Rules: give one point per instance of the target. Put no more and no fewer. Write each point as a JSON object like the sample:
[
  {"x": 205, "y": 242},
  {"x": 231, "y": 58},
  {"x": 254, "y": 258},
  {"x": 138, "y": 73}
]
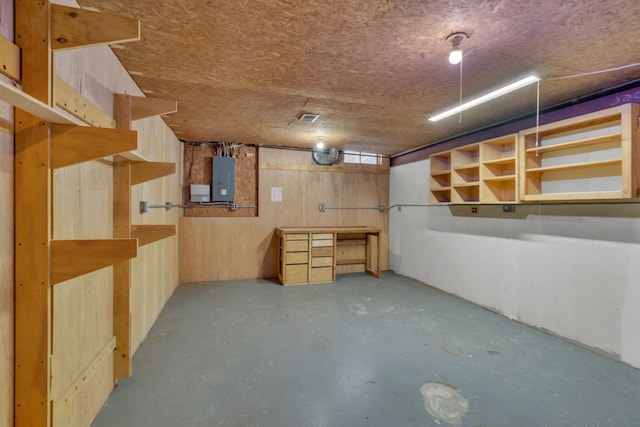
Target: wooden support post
[
  {"x": 33, "y": 294},
  {"x": 72, "y": 27},
  {"x": 122, "y": 270}
]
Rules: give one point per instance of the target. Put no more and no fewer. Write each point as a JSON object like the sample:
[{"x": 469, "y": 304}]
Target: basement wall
[
  {"x": 82, "y": 308},
  {"x": 213, "y": 249},
  {"x": 569, "y": 270}
]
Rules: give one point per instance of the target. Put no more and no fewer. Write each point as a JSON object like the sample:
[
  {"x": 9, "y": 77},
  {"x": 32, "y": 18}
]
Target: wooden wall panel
[
  {"x": 154, "y": 273},
  {"x": 242, "y": 248},
  {"x": 6, "y": 239}
]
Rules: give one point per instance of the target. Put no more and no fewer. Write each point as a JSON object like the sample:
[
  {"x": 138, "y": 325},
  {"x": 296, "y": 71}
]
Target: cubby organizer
[
  {"x": 589, "y": 157},
  {"x": 483, "y": 172},
  {"x": 593, "y": 156}
]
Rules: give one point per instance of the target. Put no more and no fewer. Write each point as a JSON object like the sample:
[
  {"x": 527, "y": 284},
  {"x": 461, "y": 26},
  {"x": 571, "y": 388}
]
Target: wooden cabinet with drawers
[{"x": 309, "y": 255}]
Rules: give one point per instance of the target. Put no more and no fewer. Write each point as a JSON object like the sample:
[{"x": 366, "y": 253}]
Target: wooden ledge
[{"x": 73, "y": 258}]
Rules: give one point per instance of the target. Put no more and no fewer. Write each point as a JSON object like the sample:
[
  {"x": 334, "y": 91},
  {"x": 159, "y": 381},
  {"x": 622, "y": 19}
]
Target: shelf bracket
[
  {"x": 73, "y": 258},
  {"x": 73, "y": 27},
  {"x": 147, "y": 171},
  {"x": 9, "y": 59},
  {"x": 76, "y": 144},
  {"x": 152, "y": 233}
]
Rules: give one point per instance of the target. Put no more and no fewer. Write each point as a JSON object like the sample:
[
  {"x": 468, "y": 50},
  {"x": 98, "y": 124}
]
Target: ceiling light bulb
[
  {"x": 320, "y": 144},
  {"x": 456, "y": 40},
  {"x": 455, "y": 56}
]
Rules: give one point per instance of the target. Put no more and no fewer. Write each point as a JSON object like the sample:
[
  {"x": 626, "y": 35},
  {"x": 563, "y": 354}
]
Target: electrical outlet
[
  {"x": 509, "y": 208},
  {"x": 474, "y": 209},
  {"x": 322, "y": 207}
]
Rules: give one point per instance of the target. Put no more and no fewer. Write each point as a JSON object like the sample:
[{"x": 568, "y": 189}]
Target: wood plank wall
[
  {"x": 213, "y": 249},
  {"x": 6, "y": 238},
  {"x": 83, "y": 197}
]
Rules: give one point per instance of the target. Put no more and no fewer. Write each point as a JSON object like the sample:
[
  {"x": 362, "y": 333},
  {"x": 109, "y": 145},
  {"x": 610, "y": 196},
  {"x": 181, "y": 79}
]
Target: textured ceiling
[{"x": 244, "y": 70}]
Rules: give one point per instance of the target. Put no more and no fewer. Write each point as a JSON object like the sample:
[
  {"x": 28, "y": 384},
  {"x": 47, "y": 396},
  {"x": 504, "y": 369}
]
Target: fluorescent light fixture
[{"x": 532, "y": 78}]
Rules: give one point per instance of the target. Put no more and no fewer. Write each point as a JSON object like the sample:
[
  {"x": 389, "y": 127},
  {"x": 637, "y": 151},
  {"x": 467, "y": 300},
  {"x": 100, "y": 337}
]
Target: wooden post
[{"x": 33, "y": 309}]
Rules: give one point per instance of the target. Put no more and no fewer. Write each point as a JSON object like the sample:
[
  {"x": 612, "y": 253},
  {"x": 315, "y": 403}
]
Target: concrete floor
[{"x": 359, "y": 352}]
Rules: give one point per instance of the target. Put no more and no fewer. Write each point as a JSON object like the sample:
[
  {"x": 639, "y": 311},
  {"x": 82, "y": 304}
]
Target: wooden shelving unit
[
  {"x": 47, "y": 139},
  {"x": 483, "y": 172},
  {"x": 498, "y": 179},
  {"x": 441, "y": 177},
  {"x": 465, "y": 174},
  {"x": 589, "y": 157}
]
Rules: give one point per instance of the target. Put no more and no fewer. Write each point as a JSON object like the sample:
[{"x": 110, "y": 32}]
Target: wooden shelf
[
  {"x": 71, "y": 145},
  {"x": 351, "y": 261},
  {"x": 467, "y": 184},
  {"x": 441, "y": 173},
  {"x": 147, "y": 171},
  {"x": 596, "y": 140},
  {"x": 467, "y": 166},
  {"x": 73, "y": 258},
  {"x": 150, "y": 233},
  {"x": 500, "y": 178},
  {"x": 575, "y": 166},
  {"x": 31, "y": 105},
  {"x": 589, "y": 157},
  {"x": 498, "y": 162}
]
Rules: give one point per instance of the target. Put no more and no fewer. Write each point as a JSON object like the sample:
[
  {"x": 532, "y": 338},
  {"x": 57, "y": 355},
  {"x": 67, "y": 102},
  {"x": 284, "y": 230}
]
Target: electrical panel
[{"x": 224, "y": 175}]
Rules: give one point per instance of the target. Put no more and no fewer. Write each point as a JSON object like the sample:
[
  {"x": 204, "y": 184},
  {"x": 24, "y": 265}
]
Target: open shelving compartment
[
  {"x": 441, "y": 177},
  {"x": 498, "y": 170},
  {"x": 590, "y": 157},
  {"x": 465, "y": 174}
]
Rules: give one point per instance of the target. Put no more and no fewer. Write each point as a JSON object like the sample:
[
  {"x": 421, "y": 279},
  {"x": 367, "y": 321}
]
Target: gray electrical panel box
[{"x": 224, "y": 176}]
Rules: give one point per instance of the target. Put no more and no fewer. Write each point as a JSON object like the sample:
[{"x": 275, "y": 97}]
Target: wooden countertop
[{"x": 330, "y": 229}]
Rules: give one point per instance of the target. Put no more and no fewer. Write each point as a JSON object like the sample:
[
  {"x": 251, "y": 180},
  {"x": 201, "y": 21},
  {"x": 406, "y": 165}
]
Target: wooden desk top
[{"x": 339, "y": 229}]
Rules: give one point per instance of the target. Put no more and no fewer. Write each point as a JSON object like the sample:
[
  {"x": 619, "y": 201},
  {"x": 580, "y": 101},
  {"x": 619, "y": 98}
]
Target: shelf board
[
  {"x": 152, "y": 233},
  {"x": 501, "y": 161},
  {"x": 573, "y": 196},
  {"x": 351, "y": 261},
  {"x": 73, "y": 258},
  {"x": 31, "y": 105},
  {"x": 440, "y": 173},
  {"x": 578, "y": 143},
  {"x": 574, "y": 166},
  {"x": 467, "y": 166},
  {"x": 467, "y": 184},
  {"x": 500, "y": 178},
  {"x": 441, "y": 188}
]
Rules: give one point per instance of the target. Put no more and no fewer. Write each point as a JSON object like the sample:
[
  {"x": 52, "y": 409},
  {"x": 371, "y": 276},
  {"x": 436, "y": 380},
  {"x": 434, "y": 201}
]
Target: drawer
[
  {"x": 297, "y": 258},
  {"x": 296, "y": 273},
  {"x": 297, "y": 245},
  {"x": 321, "y": 243},
  {"x": 322, "y": 274},
  {"x": 297, "y": 236},
  {"x": 322, "y": 261},
  {"x": 322, "y": 236},
  {"x": 326, "y": 251}
]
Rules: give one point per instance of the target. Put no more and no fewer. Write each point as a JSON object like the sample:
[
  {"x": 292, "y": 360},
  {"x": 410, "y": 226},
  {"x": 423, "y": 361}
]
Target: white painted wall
[{"x": 563, "y": 269}]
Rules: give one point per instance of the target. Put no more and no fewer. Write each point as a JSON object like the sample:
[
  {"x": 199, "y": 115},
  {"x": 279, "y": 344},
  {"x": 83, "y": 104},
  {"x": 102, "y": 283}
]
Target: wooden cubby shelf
[
  {"x": 483, "y": 172},
  {"x": 589, "y": 157}
]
